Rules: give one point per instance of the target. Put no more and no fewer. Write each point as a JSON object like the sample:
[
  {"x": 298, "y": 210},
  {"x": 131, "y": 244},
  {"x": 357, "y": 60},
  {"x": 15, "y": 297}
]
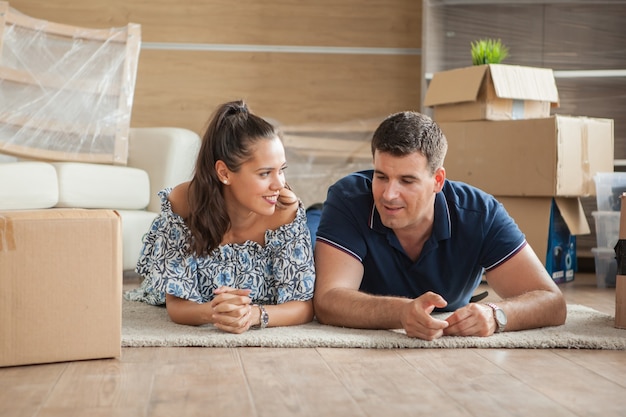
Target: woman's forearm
[
  {"x": 288, "y": 314},
  {"x": 188, "y": 312}
]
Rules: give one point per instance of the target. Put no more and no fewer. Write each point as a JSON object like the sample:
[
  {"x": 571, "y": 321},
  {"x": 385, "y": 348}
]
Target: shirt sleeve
[
  {"x": 340, "y": 224},
  {"x": 164, "y": 260},
  {"x": 503, "y": 238}
]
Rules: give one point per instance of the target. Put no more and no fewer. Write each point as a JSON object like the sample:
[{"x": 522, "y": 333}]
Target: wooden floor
[{"x": 176, "y": 382}]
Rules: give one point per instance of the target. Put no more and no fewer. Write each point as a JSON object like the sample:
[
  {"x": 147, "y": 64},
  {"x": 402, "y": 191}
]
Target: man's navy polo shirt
[{"x": 471, "y": 231}]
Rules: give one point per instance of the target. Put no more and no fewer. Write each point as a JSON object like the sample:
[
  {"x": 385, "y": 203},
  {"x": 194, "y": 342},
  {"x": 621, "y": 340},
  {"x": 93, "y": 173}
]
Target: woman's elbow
[
  {"x": 176, "y": 316},
  {"x": 308, "y": 313}
]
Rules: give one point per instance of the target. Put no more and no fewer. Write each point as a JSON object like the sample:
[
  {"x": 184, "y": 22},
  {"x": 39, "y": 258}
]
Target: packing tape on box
[
  {"x": 518, "y": 109},
  {"x": 620, "y": 256},
  {"x": 7, "y": 238}
]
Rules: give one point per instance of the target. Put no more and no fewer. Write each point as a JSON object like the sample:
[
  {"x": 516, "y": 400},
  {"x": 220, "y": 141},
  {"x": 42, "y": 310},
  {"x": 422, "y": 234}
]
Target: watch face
[
  {"x": 265, "y": 318},
  {"x": 500, "y": 317}
]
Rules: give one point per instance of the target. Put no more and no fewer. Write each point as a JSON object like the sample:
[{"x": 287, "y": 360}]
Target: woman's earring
[{"x": 225, "y": 181}]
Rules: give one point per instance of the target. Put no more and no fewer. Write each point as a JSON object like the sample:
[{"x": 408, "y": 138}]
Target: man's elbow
[
  {"x": 553, "y": 310},
  {"x": 561, "y": 310},
  {"x": 322, "y": 314}
]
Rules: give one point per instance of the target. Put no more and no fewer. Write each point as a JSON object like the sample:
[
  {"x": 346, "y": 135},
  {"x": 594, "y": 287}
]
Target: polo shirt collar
[{"x": 442, "y": 229}]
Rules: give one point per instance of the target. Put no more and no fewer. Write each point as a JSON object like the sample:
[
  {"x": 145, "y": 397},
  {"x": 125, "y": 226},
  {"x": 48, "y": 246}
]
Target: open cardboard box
[
  {"x": 492, "y": 92},
  {"x": 554, "y": 156},
  {"x": 551, "y": 226},
  {"x": 61, "y": 280}
]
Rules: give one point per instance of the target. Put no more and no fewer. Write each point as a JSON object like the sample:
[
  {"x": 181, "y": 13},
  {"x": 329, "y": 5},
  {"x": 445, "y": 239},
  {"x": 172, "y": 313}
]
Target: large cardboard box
[
  {"x": 60, "y": 285},
  {"x": 551, "y": 226},
  {"x": 492, "y": 92},
  {"x": 554, "y": 156}
]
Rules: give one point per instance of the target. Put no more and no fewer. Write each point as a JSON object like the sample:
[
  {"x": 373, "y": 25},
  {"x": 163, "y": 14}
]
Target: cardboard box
[
  {"x": 554, "y": 156},
  {"x": 551, "y": 226},
  {"x": 61, "y": 280},
  {"x": 492, "y": 92}
]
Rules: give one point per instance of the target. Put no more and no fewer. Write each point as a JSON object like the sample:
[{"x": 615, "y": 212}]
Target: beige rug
[{"x": 145, "y": 325}]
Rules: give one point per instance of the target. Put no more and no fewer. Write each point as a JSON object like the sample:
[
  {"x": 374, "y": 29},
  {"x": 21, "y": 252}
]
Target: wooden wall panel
[
  {"x": 181, "y": 77},
  {"x": 346, "y": 23},
  {"x": 182, "y": 88}
]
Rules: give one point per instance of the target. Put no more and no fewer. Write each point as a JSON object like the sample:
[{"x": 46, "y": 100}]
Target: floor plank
[
  {"x": 290, "y": 382},
  {"x": 99, "y": 387},
  {"x": 200, "y": 382},
  {"x": 610, "y": 364},
  {"x": 384, "y": 384},
  {"x": 577, "y": 388},
  {"x": 24, "y": 389},
  {"x": 484, "y": 388}
]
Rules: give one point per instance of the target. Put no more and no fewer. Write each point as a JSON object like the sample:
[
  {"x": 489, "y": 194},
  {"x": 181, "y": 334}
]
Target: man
[{"x": 399, "y": 242}]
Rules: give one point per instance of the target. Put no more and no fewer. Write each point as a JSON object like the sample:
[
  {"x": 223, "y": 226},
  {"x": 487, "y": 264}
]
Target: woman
[{"x": 231, "y": 247}]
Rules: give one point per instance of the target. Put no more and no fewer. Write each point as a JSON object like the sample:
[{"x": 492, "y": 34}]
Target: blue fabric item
[
  {"x": 281, "y": 270},
  {"x": 472, "y": 232},
  {"x": 313, "y": 215}
]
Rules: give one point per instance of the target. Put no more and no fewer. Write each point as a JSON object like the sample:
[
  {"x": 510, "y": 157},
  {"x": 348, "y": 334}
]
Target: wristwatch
[
  {"x": 264, "y": 318},
  {"x": 500, "y": 317}
]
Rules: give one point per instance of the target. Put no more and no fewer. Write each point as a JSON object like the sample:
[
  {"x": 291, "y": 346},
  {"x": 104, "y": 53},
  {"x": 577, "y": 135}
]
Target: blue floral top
[{"x": 281, "y": 270}]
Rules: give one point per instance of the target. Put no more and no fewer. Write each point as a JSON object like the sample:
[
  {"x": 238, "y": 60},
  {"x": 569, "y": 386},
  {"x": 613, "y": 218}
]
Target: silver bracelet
[{"x": 264, "y": 318}]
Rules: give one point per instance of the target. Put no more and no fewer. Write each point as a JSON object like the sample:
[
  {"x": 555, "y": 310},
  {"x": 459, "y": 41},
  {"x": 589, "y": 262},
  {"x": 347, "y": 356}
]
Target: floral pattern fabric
[{"x": 281, "y": 270}]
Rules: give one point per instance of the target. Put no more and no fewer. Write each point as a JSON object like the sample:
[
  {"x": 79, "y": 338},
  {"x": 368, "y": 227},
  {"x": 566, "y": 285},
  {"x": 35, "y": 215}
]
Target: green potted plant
[{"x": 488, "y": 51}]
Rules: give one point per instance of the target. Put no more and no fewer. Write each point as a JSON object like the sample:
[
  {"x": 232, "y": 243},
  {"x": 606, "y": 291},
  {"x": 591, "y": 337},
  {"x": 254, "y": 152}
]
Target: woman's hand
[{"x": 232, "y": 309}]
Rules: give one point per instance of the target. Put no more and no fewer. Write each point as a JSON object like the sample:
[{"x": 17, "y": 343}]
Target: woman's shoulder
[{"x": 179, "y": 199}]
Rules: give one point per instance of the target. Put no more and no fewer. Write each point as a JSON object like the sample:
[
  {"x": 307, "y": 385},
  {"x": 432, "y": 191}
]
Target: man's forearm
[
  {"x": 352, "y": 308},
  {"x": 534, "y": 309}
]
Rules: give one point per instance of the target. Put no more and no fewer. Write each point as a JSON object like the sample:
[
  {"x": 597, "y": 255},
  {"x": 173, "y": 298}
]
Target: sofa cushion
[
  {"x": 27, "y": 185},
  {"x": 88, "y": 185},
  {"x": 168, "y": 154}
]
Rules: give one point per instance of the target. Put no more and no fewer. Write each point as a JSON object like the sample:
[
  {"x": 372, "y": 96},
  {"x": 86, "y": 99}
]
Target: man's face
[{"x": 404, "y": 190}]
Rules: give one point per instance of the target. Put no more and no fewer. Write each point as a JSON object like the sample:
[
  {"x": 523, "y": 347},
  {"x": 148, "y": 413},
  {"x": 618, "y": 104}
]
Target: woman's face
[{"x": 257, "y": 184}]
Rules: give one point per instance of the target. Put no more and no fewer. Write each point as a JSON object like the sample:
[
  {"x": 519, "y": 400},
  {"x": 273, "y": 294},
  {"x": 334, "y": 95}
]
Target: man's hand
[
  {"x": 232, "y": 309},
  {"x": 471, "y": 320},
  {"x": 417, "y": 321}
]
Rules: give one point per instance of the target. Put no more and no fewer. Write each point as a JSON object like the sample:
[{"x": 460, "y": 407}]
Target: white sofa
[{"x": 158, "y": 157}]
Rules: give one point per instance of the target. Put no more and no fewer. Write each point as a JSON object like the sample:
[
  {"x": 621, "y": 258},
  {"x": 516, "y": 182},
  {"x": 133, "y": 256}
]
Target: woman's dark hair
[
  {"x": 229, "y": 137},
  {"x": 408, "y": 132}
]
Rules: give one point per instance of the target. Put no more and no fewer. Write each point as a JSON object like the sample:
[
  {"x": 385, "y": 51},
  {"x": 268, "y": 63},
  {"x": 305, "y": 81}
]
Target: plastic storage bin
[
  {"x": 606, "y": 267},
  {"x": 609, "y": 188},
  {"x": 607, "y": 228}
]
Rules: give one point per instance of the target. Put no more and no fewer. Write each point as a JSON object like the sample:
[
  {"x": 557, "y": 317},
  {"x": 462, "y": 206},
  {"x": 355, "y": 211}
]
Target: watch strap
[
  {"x": 264, "y": 318},
  {"x": 495, "y": 309}
]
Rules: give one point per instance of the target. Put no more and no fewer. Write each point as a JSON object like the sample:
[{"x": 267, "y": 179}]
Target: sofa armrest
[{"x": 167, "y": 154}]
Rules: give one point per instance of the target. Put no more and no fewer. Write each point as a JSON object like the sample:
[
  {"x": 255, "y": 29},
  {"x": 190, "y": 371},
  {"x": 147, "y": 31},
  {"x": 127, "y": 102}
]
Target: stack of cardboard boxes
[{"x": 502, "y": 139}]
